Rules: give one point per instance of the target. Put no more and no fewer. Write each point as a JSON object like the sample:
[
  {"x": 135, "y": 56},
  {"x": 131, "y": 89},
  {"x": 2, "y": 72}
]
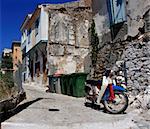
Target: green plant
[
  {"x": 7, "y": 87},
  {"x": 94, "y": 43},
  {"x": 7, "y": 62},
  {"x": 8, "y": 79}
]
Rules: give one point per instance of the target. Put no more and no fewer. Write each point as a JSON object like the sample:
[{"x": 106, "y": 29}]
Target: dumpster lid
[{"x": 74, "y": 74}]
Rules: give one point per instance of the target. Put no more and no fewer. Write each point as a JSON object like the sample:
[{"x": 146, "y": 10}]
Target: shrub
[{"x": 7, "y": 87}]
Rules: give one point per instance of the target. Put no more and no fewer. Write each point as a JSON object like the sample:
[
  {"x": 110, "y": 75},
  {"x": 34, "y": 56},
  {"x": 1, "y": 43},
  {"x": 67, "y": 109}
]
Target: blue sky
[{"x": 12, "y": 14}]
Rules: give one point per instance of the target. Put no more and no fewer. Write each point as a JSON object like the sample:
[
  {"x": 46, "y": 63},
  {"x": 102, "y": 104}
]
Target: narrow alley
[{"x": 43, "y": 110}]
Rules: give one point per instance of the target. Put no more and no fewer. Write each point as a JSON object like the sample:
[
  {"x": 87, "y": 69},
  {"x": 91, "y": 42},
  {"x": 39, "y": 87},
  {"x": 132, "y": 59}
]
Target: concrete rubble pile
[{"x": 142, "y": 100}]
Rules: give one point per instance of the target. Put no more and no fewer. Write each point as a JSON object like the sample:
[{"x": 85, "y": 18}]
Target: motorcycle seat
[{"x": 94, "y": 82}]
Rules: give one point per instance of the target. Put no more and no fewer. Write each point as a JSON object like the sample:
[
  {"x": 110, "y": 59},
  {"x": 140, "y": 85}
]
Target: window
[
  {"x": 36, "y": 26},
  {"x": 29, "y": 35},
  {"x": 16, "y": 49},
  {"x": 23, "y": 34},
  {"x": 116, "y": 10}
]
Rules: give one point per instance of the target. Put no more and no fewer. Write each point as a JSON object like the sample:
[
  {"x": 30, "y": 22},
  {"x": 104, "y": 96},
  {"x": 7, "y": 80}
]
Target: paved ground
[{"x": 44, "y": 110}]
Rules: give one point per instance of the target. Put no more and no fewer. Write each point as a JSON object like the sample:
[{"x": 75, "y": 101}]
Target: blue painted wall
[
  {"x": 116, "y": 10},
  {"x": 60, "y": 1}
]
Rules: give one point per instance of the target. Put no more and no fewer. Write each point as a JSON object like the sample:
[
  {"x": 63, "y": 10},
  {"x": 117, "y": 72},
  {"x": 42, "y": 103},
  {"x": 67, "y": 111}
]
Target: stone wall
[
  {"x": 135, "y": 12},
  {"x": 114, "y": 47},
  {"x": 137, "y": 57},
  {"x": 69, "y": 45},
  {"x": 135, "y": 54}
]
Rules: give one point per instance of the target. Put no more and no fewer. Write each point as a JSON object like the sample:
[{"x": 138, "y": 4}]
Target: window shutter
[{"x": 116, "y": 10}]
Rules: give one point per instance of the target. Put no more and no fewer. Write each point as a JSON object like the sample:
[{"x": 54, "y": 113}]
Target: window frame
[{"x": 37, "y": 22}]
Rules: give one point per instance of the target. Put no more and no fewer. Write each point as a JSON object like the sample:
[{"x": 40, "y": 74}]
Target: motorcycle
[{"x": 116, "y": 106}]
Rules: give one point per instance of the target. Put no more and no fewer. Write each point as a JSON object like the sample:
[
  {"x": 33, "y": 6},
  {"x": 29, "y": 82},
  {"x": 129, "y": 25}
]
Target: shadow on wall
[
  {"x": 6, "y": 115},
  {"x": 87, "y": 63},
  {"x": 99, "y": 6},
  {"x": 102, "y": 12},
  {"x": 118, "y": 32}
]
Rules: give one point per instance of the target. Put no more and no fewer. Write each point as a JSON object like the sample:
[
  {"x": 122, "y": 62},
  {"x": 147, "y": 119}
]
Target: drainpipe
[{"x": 125, "y": 72}]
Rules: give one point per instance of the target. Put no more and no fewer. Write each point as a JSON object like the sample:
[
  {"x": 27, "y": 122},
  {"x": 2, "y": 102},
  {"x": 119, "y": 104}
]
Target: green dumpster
[
  {"x": 54, "y": 84},
  {"x": 57, "y": 84},
  {"x": 67, "y": 84},
  {"x": 70, "y": 82},
  {"x": 51, "y": 84},
  {"x": 64, "y": 84},
  {"x": 78, "y": 84},
  {"x": 73, "y": 84}
]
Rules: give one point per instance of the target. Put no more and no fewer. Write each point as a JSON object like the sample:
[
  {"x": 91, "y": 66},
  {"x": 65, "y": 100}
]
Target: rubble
[
  {"x": 142, "y": 100},
  {"x": 11, "y": 103}
]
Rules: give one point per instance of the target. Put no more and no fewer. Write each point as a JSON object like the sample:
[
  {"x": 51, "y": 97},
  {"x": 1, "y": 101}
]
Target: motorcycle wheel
[{"x": 118, "y": 105}]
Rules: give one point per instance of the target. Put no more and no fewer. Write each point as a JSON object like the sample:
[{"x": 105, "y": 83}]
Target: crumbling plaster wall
[
  {"x": 135, "y": 12},
  {"x": 108, "y": 52},
  {"x": 69, "y": 46},
  {"x": 101, "y": 17},
  {"x": 135, "y": 53}
]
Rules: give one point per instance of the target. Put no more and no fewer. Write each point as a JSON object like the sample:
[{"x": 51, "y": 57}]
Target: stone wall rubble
[{"x": 137, "y": 57}]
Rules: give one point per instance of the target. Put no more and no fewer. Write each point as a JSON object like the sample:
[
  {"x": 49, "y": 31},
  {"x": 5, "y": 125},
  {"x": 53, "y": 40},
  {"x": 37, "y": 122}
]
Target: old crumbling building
[
  {"x": 123, "y": 28},
  {"x": 68, "y": 49},
  {"x": 33, "y": 44},
  {"x": 16, "y": 54},
  {"x": 55, "y": 39}
]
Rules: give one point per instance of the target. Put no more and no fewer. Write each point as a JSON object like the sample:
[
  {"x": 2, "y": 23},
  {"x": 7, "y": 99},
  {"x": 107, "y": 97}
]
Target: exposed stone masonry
[
  {"x": 69, "y": 46},
  {"x": 127, "y": 41},
  {"x": 137, "y": 57},
  {"x": 136, "y": 54}
]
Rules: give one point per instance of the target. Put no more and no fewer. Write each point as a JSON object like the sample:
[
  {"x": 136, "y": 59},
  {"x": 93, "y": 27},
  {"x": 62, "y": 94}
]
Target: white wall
[
  {"x": 42, "y": 30},
  {"x": 101, "y": 16},
  {"x": 23, "y": 39},
  {"x": 34, "y": 39},
  {"x": 43, "y": 26}
]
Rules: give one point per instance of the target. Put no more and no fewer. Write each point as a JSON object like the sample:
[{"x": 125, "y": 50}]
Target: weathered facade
[
  {"x": 68, "y": 49},
  {"x": 122, "y": 29},
  {"x": 33, "y": 42},
  {"x": 123, "y": 37},
  {"x": 16, "y": 54},
  {"x": 55, "y": 39}
]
